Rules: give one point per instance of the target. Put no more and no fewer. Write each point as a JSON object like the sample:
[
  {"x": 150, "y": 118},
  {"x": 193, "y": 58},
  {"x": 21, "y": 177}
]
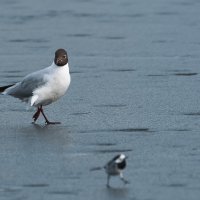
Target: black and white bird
[
  {"x": 114, "y": 168},
  {"x": 43, "y": 87}
]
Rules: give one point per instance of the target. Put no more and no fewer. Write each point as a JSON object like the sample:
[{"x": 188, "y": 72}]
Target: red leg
[
  {"x": 46, "y": 120},
  {"x": 37, "y": 114}
]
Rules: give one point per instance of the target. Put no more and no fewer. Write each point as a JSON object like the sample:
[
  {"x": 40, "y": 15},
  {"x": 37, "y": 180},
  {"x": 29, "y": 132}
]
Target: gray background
[{"x": 135, "y": 89}]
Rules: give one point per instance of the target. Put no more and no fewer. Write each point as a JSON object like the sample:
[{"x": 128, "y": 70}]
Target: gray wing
[
  {"x": 25, "y": 88},
  {"x": 111, "y": 167}
]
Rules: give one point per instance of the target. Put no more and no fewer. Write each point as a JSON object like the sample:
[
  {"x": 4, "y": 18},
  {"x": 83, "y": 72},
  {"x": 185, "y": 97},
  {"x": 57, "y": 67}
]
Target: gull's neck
[{"x": 59, "y": 67}]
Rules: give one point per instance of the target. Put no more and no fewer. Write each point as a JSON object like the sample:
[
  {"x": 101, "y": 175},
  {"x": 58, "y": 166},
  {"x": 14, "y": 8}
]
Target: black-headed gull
[
  {"x": 114, "y": 168},
  {"x": 43, "y": 87}
]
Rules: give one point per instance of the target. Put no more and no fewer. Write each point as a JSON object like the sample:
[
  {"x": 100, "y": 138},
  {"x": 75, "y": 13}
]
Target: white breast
[{"x": 58, "y": 81}]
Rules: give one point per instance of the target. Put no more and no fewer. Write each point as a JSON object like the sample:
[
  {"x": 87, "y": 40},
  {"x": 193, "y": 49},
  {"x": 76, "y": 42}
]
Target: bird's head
[
  {"x": 120, "y": 158},
  {"x": 61, "y": 57}
]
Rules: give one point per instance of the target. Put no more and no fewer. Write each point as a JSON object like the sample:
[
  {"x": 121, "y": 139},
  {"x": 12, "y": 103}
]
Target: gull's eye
[{"x": 64, "y": 56}]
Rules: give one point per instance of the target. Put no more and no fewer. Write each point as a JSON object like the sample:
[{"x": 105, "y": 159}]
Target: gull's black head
[{"x": 61, "y": 57}]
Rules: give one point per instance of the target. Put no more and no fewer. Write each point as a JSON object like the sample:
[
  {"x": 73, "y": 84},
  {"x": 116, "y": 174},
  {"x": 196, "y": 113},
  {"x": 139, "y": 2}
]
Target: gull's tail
[{"x": 2, "y": 89}]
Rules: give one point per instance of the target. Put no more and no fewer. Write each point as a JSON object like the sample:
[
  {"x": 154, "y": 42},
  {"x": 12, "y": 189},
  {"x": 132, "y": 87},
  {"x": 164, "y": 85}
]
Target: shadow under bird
[
  {"x": 43, "y": 87},
  {"x": 114, "y": 168}
]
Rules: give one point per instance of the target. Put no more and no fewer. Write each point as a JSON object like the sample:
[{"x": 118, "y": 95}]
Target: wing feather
[{"x": 26, "y": 87}]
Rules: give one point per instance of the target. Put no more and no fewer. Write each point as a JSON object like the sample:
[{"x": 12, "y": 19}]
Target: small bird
[
  {"x": 114, "y": 168},
  {"x": 43, "y": 87}
]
